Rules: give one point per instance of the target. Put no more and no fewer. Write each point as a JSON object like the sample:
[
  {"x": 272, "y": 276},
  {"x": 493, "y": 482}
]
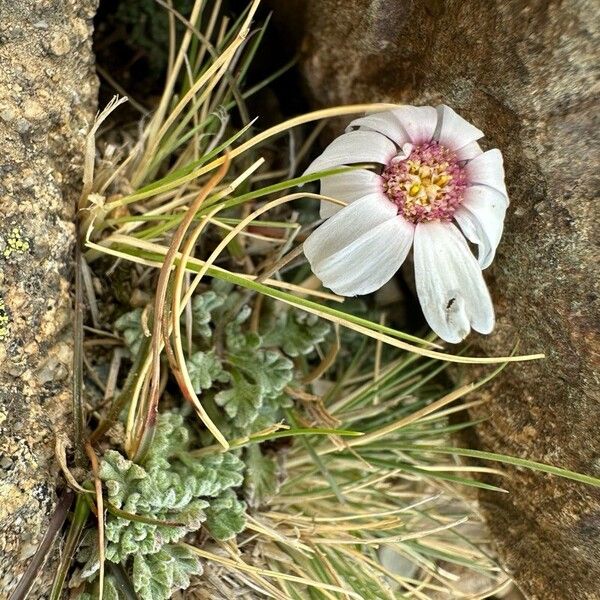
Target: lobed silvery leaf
[
  {"x": 241, "y": 402},
  {"x": 157, "y": 576},
  {"x": 130, "y": 325},
  {"x": 120, "y": 476},
  {"x": 151, "y": 576},
  {"x": 205, "y": 369},
  {"x": 239, "y": 341},
  {"x": 215, "y": 473},
  {"x": 226, "y": 516},
  {"x": 170, "y": 437},
  {"x": 261, "y": 482},
  {"x": 111, "y": 591},
  {"x": 268, "y": 369},
  {"x": 184, "y": 564},
  {"x": 271, "y": 411},
  {"x": 296, "y": 332},
  {"x": 203, "y": 306}
]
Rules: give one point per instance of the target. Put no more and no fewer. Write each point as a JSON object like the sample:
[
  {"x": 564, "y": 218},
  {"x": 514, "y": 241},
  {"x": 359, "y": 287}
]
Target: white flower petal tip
[
  {"x": 385, "y": 123},
  {"x": 488, "y": 169},
  {"x": 354, "y": 147},
  {"x": 349, "y": 187},
  {"x": 469, "y": 152},
  {"x": 454, "y": 132},
  {"x": 450, "y": 285},
  {"x": 360, "y": 248},
  {"x": 481, "y": 219},
  {"x": 419, "y": 122}
]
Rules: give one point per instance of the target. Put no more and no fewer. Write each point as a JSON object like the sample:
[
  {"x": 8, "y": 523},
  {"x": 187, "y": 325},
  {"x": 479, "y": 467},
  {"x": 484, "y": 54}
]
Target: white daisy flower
[{"x": 432, "y": 182}]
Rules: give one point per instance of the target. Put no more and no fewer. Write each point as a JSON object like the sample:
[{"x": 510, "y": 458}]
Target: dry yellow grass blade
[
  {"x": 333, "y": 318},
  {"x": 159, "y": 125},
  {"x": 358, "y": 557},
  {"x": 245, "y": 222},
  {"x": 392, "y": 427},
  {"x": 90, "y": 147},
  {"x": 159, "y": 249},
  {"x": 160, "y": 332},
  {"x": 405, "y": 346},
  {"x": 390, "y": 539},
  {"x": 261, "y": 137},
  {"x": 177, "y": 310},
  {"x": 267, "y": 572},
  {"x": 253, "y": 524}
]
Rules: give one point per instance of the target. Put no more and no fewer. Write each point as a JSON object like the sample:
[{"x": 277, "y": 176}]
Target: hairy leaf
[
  {"x": 202, "y": 307},
  {"x": 215, "y": 473},
  {"x": 130, "y": 325},
  {"x": 184, "y": 563},
  {"x": 261, "y": 477},
  {"x": 205, "y": 369},
  {"x": 170, "y": 437},
  {"x": 226, "y": 516},
  {"x": 167, "y": 496},
  {"x": 152, "y": 576},
  {"x": 157, "y": 576},
  {"x": 121, "y": 476},
  {"x": 241, "y": 402},
  {"x": 296, "y": 332},
  {"x": 268, "y": 369}
]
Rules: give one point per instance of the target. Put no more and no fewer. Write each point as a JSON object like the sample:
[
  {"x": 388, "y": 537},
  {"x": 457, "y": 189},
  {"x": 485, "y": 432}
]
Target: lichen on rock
[{"x": 47, "y": 100}]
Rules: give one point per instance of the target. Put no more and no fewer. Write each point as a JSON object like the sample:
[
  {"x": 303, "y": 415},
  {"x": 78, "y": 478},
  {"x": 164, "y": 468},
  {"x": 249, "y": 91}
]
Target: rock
[
  {"x": 526, "y": 74},
  {"x": 47, "y": 95}
]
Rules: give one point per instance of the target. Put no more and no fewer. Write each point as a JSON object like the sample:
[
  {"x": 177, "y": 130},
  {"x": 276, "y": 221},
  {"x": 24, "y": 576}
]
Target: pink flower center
[{"x": 428, "y": 185}]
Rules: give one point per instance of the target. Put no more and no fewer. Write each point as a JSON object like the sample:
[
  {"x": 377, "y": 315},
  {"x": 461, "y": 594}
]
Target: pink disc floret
[{"x": 428, "y": 185}]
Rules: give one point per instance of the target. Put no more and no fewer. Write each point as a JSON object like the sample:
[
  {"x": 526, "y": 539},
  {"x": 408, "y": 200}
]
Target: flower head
[{"x": 431, "y": 181}]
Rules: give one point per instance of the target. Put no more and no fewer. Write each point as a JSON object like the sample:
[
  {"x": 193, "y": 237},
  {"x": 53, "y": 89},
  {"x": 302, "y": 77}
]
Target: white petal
[
  {"x": 370, "y": 261},
  {"x": 360, "y": 248},
  {"x": 469, "y": 152},
  {"x": 488, "y": 169},
  {"x": 419, "y": 122},
  {"x": 386, "y": 123},
  {"x": 347, "y": 225},
  {"x": 481, "y": 218},
  {"x": 454, "y": 131},
  {"x": 348, "y": 186},
  {"x": 450, "y": 285},
  {"x": 354, "y": 147}
]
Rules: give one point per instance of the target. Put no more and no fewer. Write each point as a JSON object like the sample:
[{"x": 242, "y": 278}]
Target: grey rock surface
[
  {"x": 526, "y": 73},
  {"x": 47, "y": 103}
]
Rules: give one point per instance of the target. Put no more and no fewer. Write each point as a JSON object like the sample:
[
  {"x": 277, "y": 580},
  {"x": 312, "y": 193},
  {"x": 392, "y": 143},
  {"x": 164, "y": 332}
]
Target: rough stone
[
  {"x": 47, "y": 103},
  {"x": 525, "y": 72}
]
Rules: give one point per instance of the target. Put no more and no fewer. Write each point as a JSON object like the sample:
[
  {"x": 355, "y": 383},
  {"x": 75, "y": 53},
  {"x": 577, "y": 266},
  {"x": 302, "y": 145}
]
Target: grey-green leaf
[
  {"x": 226, "y": 516},
  {"x": 241, "y": 402},
  {"x": 215, "y": 473},
  {"x": 205, "y": 369},
  {"x": 202, "y": 307},
  {"x": 296, "y": 332},
  {"x": 152, "y": 576},
  {"x": 184, "y": 563},
  {"x": 261, "y": 481},
  {"x": 130, "y": 325},
  {"x": 268, "y": 369},
  {"x": 120, "y": 476}
]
